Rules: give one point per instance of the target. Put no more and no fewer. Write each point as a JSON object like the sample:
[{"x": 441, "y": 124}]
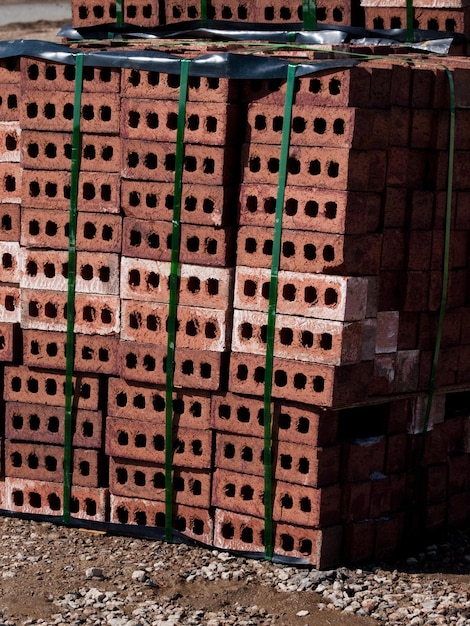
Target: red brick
[
  {"x": 147, "y": 481},
  {"x": 9, "y": 222},
  {"x": 198, "y": 328},
  {"x": 46, "y": 310},
  {"x": 341, "y": 298},
  {"x": 9, "y": 102},
  {"x": 131, "y": 401},
  {"x": 209, "y": 205},
  {"x": 394, "y": 248},
  {"x": 325, "y": 168},
  {"x": 356, "y": 500},
  {"x": 395, "y": 460},
  {"x": 10, "y": 134},
  {"x": 42, "y": 74},
  {"x": 417, "y": 291},
  {"x": 408, "y": 331},
  {"x": 320, "y": 548},
  {"x": 96, "y": 273},
  {"x": 359, "y": 541},
  {"x": 204, "y": 245},
  {"x": 96, "y": 232},
  {"x": 317, "y": 210},
  {"x": 194, "y": 369},
  {"x": 310, "y": 252},
  {"x": 43, "y": 150},
  {"x": 387, "y": 331},
  {"x": 215, "y": 124},
  {"x": 335, "y": 127},
  {"x": 323, "y": 385},
  {"x": 10, "y": 309},
  {"x": 146, "y": 279},
  {"x": 93, "y": 353},
  {"x": 240, "y": 493},
  {"x": 145, "y": 441},
  {"x": 192, "y": 522},
  {"x": 53, "y": 111},
  {"x": 10, "y": 262},
  {"x": 40, "y": 461},
  {"x": 411, "y": 168},
  {"x": 150, "y": 160},
  {"x": 98, "y": 192},
  {"x": 10, "y": 343},
  {"x": 10, "y": 182},
  {"x": 458, "y": 510},
  {"x": 162, "y": 86},
  {"x": 43, "y": 387},
  {"x": 300, "y": 338},
  {"x": 45, "y": 424},
  {"x": 363, "y": 458},
  {"x": 389, "y": 534}
]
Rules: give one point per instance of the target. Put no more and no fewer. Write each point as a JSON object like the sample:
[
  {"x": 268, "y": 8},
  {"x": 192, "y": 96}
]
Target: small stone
[
  {"x": 93, "y": 572},
  {"x": 139, "y": 575},
  {"x": 303, "y": 613}
]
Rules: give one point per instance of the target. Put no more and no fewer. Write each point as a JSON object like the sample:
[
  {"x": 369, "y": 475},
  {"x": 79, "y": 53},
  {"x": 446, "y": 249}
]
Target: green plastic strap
[
  {"x": 445, "y": 265},
  {"x": 409, "y": 21},
  {"x": 271, "y": 322},
  {"x": 173, "y": 301},
  {"x": 204, "y": 11},
  {"x": 72, "y": 262},
  {"x": 119, "y": 14},
  {"x": 309, "y": 14}
]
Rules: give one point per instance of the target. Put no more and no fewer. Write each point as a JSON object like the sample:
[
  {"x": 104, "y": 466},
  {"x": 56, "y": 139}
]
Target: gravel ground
[{"x": 72, "y": 577}]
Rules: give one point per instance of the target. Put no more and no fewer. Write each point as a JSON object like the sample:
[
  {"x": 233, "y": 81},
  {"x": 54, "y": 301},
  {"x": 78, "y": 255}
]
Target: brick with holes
[
  {"x": 10, "y": 342},
  {"x": 311, "y": 251},
  {"x": 197, "y": 328},
  {"x": 209, "y": 205},
  {"x": 200, "y": 244},
  {"x": 42, "y": 228},
  {"x": 42, "y": 150},
  {"x": 290, "y": 11},
  {"x": 335, "y": 127},
  {"x": 142, "y": 402},
  {"x": 193, "y": 522},
  {"x": 10, "y": 262},
  {"x": 22, "y": 384},
  {"x": 41, "y": 461},
  {"x": 29, "y": 496},
  {"x": 46, "y": 310},
  {"x": 243, "y": 533},
  {"x": 92, "y": 353},
  {"x": 53, "y": 111},
  {"x": 320, "y": 210},
  {"x": 144, "y": 441},
  {"x": 136, "y": 479},
  {"x": 45, "y": 75},
  {"x": 215, "y": 125},
  {"x": 45, "y": 424},
  {"x": 300, "y": 338},
  {"x": 10, "y": 182},
  {"x": 10, "y": 306},
  {"x": 325, "y": 168},
  {"x": 96, "y": 272},
  {"x": 150, "y": 160},
  {"x": 296, "y": 423},
  {"x": 9, "y": 102},
  {"x": 323, "y": 385},
  {"x": 146, "y": 279},
  {"x": 98, "y": 192},
  {"x": 237, "y": 492},
  {"x": 10, "y": 137},
  {"x": 340, "y": 298},
  {"x": 138, "y": 83},
  {"x": 10, "y": 222},
  {"x": 194, "y": 369}
]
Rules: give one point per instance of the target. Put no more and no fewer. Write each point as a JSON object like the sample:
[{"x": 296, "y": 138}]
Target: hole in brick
[
  {"x": 242, "y": 13},
  {"x": 242, "y": 372},
  {"x": 196, "y": 446},
  {"x": 229, "y": 490},
  {"x": 450, "y": 25},
  {"x": 17, "y": 421},
  {"x": 33, "y": 309},
  {"x": 90, "y": 507},
  {"x": 212, "y": 286},
  {"x": 287, "y": 543},
  {"x": 255, "y": 164},
  {"x": 305, "y": 505},
  {"x": 208, "y": 206},
  {"x": 260, "y": 122},
  {"x": 122, "y": 515},
  {"x": 67, "y": 111},
  {"x": 11, "y": 143},
  {"x": 259, "y": 375},
  {"x": 18, "y": 498},
  {"x": 140, "y": 441},
  {"x": 318, "y": 384},
  {"x": 87, "y": 429},
  {"x": 35, "y": 500},
  {"x": 265, "y": 290},
  {"x": 6, "y": 223},
  {"x": 89, "y": 230},
  {"x": 86, "y": 272},
  {"x": 88, "y": 112},
  {"x": 121, "y": 475},
  {"x": 52, "y": 349},
  {"x": 150, "y": 161},
  {"x": 300, "y": 381},
  {"x": 314, "y": 167},
  {"x": 87, "y": 353},
  {"x": 205, "y": 370},
  {"x": 16, "y": 459},
  {"x": 89, "y": 152},
  {"x": 187, "y": 367},
  {"x": 158, "y": 403},
  {"x": 104, "y": 274},
  {"x": 226, "y": 13},
  {"x": 88, "y": 191},
  {"x": 105, "y": 113},
  {"x": 280, "y": 378},
  {"x": 211, "y": 246},
  {"x": 84, "y": 468},
  {"x": 33, "y": 150},
  {"x": 243, "y": 414},
  {"x": 249, "y": 288},
  {"x": 139, "y": 479},
  {"x": 89, "y": 313},
  {"x": 338, "y": 16},
  {"x": 135, "y": 238},
  {"x": 33, "y": 461},
  {"x": 286, "y": 501},
  {"x": 193, "y": 122},
  {"x": 34, "y": 422},
  {"x": 288, "y": 249},
  {"x": 85, "y": 391},
  {"x": 331, "y": 297},
  {"x": 139, "y": 401},
  {"x": 194, "y": 284},
  {"x": 50, "y": 463},
  {"x": 159, "y": 443},
  {"x": 293, "y": 166},
  {"x": 333, "y": 169},
  {"x": 306, "y": 339},
  {"x": 210, "y": 330},
  {"x": 338, "y": 126},
  {"x": 150, "y": 200},
  {"x": 247, "y": 492},
  {"x": 273, "y": 165},
  {"x": 208, "y": 166},
  {"x": 32, "y": 385},
  {"x": 53, "y": 424},
  {"x": 16, "y": 383},
  {"x": 107, "y": 153},
  {"x": 289, "y": 292},
  {"x": 286, "y": 336},
  {"x": 246, "y": 330},
  {"x": 247, "y": 454},
  {"x": 227, "y": 530},
  {"x": 131, "y": 361},
  {"x": 310, "y": 295},
  {"x": 334, "y": 86},
  {"x": 284, "y": 421},
  {"x": 34, "y": 189},
  {"x": 326, "y": 341},
  {"x": 179, "y": 446},
  {"x": 192, "y": 244},
  {"x": 192, "y": 328},
  {"x": 286, "y": 461},
  {"x": 106, "y": 316},
  {"x": 298, "y": 125},
  {"x": 319, "y": 125},
  {"x": 268, "y": 247},
  {"x": 149, "y": 363},
  {"x": 12, "y": 102},
  {"x": 291, "y": 207},
  {"x": 310, "y": 252},
  {"x": 7, "y": 261}
]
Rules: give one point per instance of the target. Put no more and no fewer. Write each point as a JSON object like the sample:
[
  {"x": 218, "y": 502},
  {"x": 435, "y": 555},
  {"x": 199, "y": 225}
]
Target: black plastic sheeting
[{"x": 424, "y": 40}]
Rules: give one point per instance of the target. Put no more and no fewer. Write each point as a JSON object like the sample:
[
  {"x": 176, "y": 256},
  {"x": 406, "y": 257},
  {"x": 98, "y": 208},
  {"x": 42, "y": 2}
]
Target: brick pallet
[{"x": 357, "y": 310}]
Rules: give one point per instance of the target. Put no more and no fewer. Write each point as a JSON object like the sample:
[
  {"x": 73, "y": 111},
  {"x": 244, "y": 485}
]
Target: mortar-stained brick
[
  {"x": 10, "y": 262},
  {"x": 10, "y": 182},
  {"x": 10, "y": 307},
  {"x": 9, "y": 102},
  {"x": 45, "y": 424},
  {"x": 10, "y": 137}
]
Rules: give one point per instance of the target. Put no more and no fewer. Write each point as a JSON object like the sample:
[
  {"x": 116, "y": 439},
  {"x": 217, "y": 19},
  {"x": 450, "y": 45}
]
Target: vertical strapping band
[
  {"x": 72, "y": 261},
  {"x": 309, "y": 14},
  {"x": 409, "y": 21},
  {"x": 271, "y": 322},
  {"x": 204, "y": 12},
  {"x": 173, "y": 299},
  {"x": 119, "y": 14}
]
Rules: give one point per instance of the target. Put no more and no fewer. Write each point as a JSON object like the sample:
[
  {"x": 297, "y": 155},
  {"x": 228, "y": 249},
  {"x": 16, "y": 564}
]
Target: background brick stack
[{"x": 357, "y": 310}]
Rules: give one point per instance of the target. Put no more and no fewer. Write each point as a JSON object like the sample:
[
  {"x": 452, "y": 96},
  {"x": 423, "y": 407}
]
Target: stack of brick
[{"x": 145, "y": 14}]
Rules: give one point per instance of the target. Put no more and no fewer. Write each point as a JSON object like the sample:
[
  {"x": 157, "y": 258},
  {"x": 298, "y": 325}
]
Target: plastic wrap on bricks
[{"x": 45, "y": 424}]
